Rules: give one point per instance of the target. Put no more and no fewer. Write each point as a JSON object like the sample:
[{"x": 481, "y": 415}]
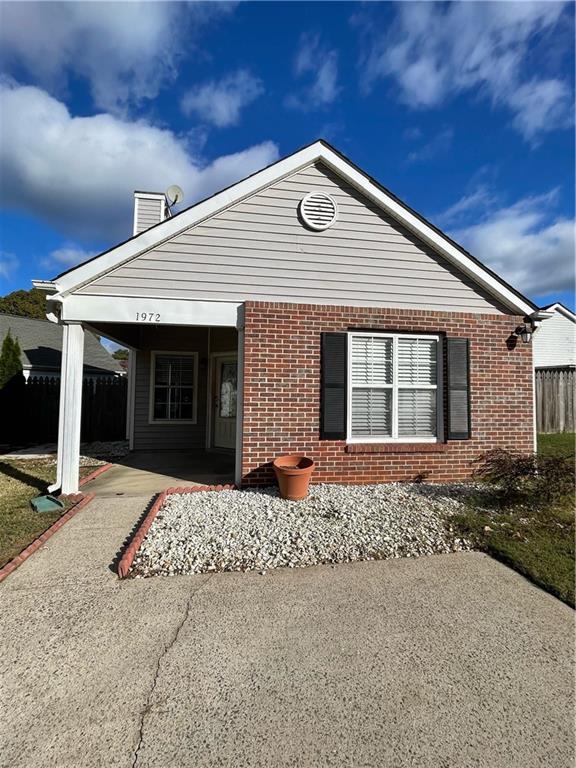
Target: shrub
[
  {"x": 10, "y": 359},
  {"x": 526, "y": 477}
]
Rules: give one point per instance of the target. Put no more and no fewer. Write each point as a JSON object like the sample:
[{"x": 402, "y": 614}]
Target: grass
[
  {"x": 561, "y": 444},
  {"x": 534, "y": 538},
  {"x": 20, "y": 481}
]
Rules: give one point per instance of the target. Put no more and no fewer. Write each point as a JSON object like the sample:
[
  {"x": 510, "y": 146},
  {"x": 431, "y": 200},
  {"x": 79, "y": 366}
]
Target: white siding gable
[
  {"x": 555, "y": 342},
  {"x": 259, "y": 249}
]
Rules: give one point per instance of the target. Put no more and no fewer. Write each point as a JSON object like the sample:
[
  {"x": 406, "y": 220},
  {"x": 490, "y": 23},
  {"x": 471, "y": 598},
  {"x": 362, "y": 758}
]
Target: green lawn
[
  {"x": 561, "y": 444},
  {"x": 534, "y": 538},
  {"x": 20, "y": 481}
]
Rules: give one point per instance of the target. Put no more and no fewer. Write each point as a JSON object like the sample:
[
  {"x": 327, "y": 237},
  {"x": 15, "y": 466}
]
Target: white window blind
[
  {"x": 416, "y": 413},
  {"x": 416, "y": 361},
  {"x": 371, "y": 369},
  {"x": 174, "y": 387},
  {"x": 392, "y": 387}
]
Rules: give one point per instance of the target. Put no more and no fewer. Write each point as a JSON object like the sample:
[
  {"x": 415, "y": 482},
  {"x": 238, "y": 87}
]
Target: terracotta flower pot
[{"x": 293, "y": 475}]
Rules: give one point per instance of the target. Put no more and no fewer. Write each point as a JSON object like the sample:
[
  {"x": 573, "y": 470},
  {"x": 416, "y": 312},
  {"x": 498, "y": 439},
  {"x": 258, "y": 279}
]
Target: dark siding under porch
[{"x": 172, "y": 437}]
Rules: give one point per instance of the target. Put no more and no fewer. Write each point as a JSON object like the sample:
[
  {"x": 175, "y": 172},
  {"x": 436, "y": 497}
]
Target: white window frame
[
  {"x": 153, "y": 355},
  {"x": 394, "y": 387}
]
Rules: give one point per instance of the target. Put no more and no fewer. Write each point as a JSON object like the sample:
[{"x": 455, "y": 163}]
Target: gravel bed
[{"x": 257, "y": 530}]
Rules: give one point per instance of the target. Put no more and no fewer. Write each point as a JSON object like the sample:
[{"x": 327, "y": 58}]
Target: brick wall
[{"x": 282, "y": 393}]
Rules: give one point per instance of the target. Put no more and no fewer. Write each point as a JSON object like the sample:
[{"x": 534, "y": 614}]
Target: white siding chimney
[{"x": 150, "y": 208}]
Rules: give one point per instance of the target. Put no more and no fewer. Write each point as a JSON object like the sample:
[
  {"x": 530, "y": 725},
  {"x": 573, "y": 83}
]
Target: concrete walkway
[
  {"x": 448, "y": 661},
  {"x": 147, "y": 473}
]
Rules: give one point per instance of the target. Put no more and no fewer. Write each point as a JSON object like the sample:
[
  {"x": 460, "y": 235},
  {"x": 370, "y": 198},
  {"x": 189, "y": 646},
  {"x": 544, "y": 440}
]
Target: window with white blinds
[
  {"x": 392, "y": 383},
  {"x": 173, "y": 387}
]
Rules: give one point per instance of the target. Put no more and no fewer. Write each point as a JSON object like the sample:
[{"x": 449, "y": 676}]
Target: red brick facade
[{"x": 282, "y": 393}]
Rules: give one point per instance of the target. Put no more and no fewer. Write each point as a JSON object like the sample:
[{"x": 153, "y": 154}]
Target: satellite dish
[{"x": 174, "y": 194}]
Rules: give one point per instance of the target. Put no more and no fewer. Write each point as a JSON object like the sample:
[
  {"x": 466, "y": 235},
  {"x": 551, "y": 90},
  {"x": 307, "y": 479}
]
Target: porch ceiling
[{"x": 142, "y": 336}]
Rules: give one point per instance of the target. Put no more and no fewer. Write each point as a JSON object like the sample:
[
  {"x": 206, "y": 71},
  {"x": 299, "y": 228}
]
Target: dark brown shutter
[
  {"x": 458, "y": 389},
  {"x": 333, "y": 386},
  {"x": 440, "y": 389}
]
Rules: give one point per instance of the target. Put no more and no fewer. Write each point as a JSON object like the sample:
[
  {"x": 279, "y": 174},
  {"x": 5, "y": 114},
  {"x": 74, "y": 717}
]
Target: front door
[{"x": 224, "y": 409}]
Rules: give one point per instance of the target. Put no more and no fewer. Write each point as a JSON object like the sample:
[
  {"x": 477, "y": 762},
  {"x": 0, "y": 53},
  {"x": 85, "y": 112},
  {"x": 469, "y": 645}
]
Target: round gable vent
[{"x": 318, "y": 210}]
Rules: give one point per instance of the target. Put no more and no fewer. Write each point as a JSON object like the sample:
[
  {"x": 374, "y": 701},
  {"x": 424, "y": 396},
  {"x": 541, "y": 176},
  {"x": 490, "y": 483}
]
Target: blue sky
[{"x": 465, "y": 111}]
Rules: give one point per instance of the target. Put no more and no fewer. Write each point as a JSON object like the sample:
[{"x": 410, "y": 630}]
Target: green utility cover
[{"x": 46, "y": 504}]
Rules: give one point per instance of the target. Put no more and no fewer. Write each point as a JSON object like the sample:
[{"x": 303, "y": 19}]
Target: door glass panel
[{"x": 228, "y": 381}]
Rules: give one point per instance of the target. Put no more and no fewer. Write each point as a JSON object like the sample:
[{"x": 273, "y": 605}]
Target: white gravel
[
  {"x": 257, "y": 530},
  {"x": 91, "y": 454}
]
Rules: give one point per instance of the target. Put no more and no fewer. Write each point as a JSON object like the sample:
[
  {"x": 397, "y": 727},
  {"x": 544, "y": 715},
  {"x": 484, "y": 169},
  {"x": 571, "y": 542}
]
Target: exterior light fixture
[{"x": 525, "y": 333}]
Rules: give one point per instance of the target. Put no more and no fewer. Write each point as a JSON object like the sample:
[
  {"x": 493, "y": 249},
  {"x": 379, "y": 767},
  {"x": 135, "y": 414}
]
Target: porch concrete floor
[{"x": 146, "y": 473}]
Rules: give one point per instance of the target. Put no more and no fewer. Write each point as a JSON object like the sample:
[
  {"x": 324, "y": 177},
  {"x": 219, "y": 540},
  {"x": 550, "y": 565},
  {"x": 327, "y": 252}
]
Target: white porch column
[
  {"x": 239, "y": 406},
  {"x": 70, "y": 407},
  {"x": 130, "y": 394}
]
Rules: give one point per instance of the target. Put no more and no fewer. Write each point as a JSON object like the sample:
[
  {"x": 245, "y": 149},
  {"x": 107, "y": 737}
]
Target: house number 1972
[{"x": 148, "y": 317}]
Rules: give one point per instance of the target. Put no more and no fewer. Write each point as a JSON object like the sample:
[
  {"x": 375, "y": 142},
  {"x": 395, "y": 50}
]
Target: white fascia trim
[
  {"x": 538, "y": 317},
  {"x": 128, "y": 309},
  {"x": 45, "y": 285},
  {"x": 150, "y": 195},
  {"x": 305, "y": 157},
  {"x": 135, "y": 217}
]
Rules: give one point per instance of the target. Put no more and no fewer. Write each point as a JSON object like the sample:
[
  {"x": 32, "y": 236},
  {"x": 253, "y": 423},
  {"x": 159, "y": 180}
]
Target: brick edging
[
  {"x": 10, "y": 566},
  {"x": 196, "y": 488},
  {"x": 96, "y": 473},
  {"x": 130, "y": 553}
]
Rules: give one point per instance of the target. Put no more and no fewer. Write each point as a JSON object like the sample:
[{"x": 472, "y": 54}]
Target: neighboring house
[
  {"x": 555, "y": 364},
  {"x": 555, "y": 339},
  {"x": 41, "y": 345},
  {"x": 304, "y": 309}
]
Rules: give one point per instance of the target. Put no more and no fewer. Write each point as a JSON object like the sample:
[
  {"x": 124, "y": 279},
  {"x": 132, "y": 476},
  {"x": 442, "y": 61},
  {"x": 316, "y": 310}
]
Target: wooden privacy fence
[
  {"x": 555, "y": 399},
  {"x": 29, "y": 411}
]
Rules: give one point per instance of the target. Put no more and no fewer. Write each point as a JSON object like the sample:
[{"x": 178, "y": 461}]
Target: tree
[
  {"x": 30, "y": 303},
  {"x": 10, "y": 359},
  {"x": 120, "y": 354}
]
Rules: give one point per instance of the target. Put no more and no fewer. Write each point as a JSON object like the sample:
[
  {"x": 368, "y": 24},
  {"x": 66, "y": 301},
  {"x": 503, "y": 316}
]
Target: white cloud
[
  {"x": 79, "y": 173},
  {"x": 481, "y": 198},
  {"x": 68, "y": 255},
  {"x": 125, "y": 50},
  {"x": 433, "y": 51},
  {"x": 8, "y": 264},
  {"x": 437, "y": 145},
  {"x": 321, "y": 63},
  {"x": 220, "y": 102},
  {"x": 525, "y": 243},
  {"x": 540, "y": 105}
]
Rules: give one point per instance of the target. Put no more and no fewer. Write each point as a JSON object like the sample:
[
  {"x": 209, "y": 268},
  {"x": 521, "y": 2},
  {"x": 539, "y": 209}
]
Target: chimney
[{"x": 150, "y": 208}]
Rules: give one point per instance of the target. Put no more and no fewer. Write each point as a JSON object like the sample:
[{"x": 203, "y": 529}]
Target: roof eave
[{"x": 48, "y": 286}]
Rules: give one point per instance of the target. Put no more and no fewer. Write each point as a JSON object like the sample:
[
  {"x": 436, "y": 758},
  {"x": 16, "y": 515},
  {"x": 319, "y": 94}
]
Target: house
[
  {"x": 305, "y": 308},
  {"x": 555, "y": 339},
  {"x": 555, "y": 364},
  {"x": 41, "y": 345}
]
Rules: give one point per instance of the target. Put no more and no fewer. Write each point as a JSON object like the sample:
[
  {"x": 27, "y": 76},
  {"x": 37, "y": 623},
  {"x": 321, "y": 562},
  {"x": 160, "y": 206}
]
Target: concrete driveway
[{"x": 451, "y": 660}]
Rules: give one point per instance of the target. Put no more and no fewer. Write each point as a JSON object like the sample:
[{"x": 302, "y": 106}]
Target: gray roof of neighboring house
[{"x": 41, "y": 345}]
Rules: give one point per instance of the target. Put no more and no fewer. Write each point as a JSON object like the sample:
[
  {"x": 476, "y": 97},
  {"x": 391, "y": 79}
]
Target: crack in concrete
[{"x": 148, "y": 703}]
